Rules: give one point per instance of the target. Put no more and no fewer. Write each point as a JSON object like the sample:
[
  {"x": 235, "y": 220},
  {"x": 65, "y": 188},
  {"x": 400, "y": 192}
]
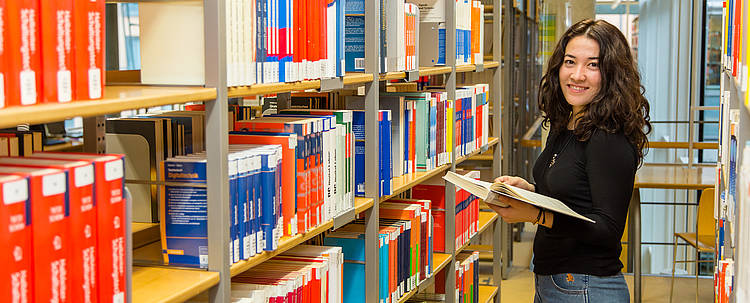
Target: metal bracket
[
  {"x": 484, "y": 148},
  {"x": 479, "y": 67},
  {"x": 94, "y": 133},
  {"x": 344, "y": 219},
  {"x": 331, "y": 84},
  {"x": 412, "y": 75}
]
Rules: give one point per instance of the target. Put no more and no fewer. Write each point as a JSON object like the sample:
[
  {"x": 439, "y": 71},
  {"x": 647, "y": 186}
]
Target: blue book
[
  {"x": 283, "y": 48},
  {"x": 234, "y": 207},
  {"x": 358, "y": 128},
  {"x": 383, "y": 267},
  {"x": 406, "y": 122},
  {"x": 381, "y": 154},
  {"x": 354, "y": 35},
  {"x": 441, "y": 46},
  {"x": 260, "y": 40},
  {"x": 353, "y": 247},
  {"x": 340, "y": 37},
  {"x": 185, "y": 210},
  {"x": 386, "y": 149}
]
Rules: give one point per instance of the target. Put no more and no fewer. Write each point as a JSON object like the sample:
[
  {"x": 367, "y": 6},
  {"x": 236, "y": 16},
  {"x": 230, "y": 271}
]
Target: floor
[{"x": 519, "y": 287}]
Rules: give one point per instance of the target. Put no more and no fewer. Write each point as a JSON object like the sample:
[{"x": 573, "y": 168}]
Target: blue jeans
[{"x": 580, "y": 288}]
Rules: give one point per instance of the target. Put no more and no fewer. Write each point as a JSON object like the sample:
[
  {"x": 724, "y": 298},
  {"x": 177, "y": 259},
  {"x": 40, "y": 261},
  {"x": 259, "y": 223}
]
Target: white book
[
  {"x": 401, "y": 39},
  {"x": 331, "y": 12},
  {"x": 489, "y": 193}
]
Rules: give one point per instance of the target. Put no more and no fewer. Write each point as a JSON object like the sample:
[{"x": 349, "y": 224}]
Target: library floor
[{"x": 519, "y": 287}]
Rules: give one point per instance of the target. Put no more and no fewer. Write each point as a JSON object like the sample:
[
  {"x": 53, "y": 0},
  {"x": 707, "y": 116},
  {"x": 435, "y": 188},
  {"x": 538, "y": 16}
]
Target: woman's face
[{"x": 580, "y": 78}]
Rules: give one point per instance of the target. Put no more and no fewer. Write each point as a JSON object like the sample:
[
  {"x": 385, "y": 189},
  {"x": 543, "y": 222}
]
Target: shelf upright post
[
  {"x": 497, "y": 90},
  {"x": 506, "y": 135},
  {"x": 217, "y": 172},
  {"x": 450, "y": 191},
  {"x": 372, "y": 146}
]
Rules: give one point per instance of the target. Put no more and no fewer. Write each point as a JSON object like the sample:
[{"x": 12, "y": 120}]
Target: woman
[{"x": 592, "y": 99}]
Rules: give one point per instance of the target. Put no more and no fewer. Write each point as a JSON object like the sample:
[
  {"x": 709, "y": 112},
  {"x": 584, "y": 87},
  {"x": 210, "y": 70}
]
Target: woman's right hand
[{"x": 517, "y": 182}]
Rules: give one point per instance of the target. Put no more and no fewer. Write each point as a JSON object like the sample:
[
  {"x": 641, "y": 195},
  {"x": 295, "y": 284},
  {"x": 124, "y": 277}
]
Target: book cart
[{"x": 171, "y": 284}]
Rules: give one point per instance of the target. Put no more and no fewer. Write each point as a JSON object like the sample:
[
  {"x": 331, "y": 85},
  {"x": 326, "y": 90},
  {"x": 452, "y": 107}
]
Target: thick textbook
[
  {"x": 489, "y": 191},
  {"x": 16, "y": 280}
]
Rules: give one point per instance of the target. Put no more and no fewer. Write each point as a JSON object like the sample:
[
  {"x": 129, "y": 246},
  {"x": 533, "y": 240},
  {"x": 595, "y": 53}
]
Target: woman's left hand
[{"x": 516, "y": 211}]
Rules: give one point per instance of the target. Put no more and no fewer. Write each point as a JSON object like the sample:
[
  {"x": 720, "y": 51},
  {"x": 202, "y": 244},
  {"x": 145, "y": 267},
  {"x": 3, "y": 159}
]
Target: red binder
[
  {"x": 80, "y": 180},
  {"x": 50, "y": 231},
  {"x": 23, "y": 58},
  {"x": 16, "y": 281},
  {"x": 57, "y": 50},
  {"x": 88, "y": 42}
]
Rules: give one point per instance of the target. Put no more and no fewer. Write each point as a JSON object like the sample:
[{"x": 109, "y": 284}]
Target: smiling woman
[{"x": 592, "y": 98}]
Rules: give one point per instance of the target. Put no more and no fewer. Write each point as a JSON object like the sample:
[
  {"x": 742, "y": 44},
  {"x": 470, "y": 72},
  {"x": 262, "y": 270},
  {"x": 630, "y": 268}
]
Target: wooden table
[{"x": 662, "y": 176}]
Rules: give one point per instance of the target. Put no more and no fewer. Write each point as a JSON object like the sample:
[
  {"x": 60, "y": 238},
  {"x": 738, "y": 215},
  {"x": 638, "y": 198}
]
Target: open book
[{"x": 490, "y": 191}]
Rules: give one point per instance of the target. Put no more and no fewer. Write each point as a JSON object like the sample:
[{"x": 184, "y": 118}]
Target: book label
[
  {"x": 64, "y": 86},
  {"x": 113, "y": 170},
  {"x": 14, "y": 192},
  {"x": 95, "y": 83},
  {"x": 84, "y": 175},
  {"x": 53, "y": 185},
  {"x": 28, "y": 87}
]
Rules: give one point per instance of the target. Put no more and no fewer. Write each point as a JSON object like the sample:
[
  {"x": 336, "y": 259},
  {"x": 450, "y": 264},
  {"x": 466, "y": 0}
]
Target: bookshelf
[
  {"x": 169, "y": 284},
  {"x": 439, "y": 262},
  {"x": 116, "y": 99}
]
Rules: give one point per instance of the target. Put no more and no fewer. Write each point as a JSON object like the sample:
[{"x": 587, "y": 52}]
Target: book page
[{"x": 484, "y": 191}]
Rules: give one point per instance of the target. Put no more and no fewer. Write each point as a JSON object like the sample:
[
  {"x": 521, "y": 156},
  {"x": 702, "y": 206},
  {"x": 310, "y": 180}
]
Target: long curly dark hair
[{"x": 618, "y": 107}]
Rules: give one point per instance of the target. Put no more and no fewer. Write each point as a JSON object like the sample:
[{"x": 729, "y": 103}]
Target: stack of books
[{"x": 65, "y": 220}]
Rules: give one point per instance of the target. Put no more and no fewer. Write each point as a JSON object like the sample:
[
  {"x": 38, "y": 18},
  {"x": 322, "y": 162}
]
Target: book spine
[
  {"x": 4, "y": 37},
  {"x": 88, "y": 45},
  {"x": 83, "y": 228},
  {"x": 24, "y": 55},
  {"x": 110, "y": 237},
  {"x": 57, "y": 56},
  {"x": 17, "y": 279}
]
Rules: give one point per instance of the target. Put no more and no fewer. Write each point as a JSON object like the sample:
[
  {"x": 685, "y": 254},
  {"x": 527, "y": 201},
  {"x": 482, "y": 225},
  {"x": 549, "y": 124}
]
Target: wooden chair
[{"x": 703, "y": 240}]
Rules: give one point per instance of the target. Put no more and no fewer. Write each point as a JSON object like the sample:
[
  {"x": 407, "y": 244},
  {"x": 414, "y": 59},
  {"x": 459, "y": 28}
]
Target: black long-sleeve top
[{"x": 594, "y": 178}]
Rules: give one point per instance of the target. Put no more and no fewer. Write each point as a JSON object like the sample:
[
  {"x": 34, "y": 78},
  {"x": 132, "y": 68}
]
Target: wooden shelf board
[
  {"x": 287, "y": 243},
  {"x": 144, "y": 233},
  {"x": 486, "y": 218},
  {"x": 465, "y": 68},
  {"x": 67, "y": 146},
  {"x": 137, "y": 227},
  {"x": 439, "y": 261},
  {"x": 487, "y": 293},
  {"x": 491, "y": 64},
  {"x": 434, "y": 70},
  {"x": 357, "y": 78},
  {"x": 405, "y": 182},
  {"x": 272, "y": 88},
  {"x": 116, "y": 99},
  {"x": 392, "y": 76},
  {"x": 161, "y": 284}
]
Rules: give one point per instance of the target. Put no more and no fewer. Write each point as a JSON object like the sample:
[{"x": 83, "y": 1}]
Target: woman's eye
[
  {"x": 594, "y": 64},
  {"x": 568, "y": 62}
]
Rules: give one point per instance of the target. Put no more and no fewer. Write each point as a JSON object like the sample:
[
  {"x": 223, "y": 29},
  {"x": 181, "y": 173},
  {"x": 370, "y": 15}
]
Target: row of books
[
  {"x": 255, "y": 188},
  {"x": 51, "y": 51},
  {"x": 467, "y": 278},
  {"x": 732, "y": 36},
  {"x": 63, "y": 216},
  {"x": 20, "y": 143},
  {"x": 318, "y": 160},
  {"x": 293, "y": 40},
  {"x": 305, "y": 273},
  {"x": 467, "y": 209},
  {"x": 266, "y": 41},
  {"x": 405, "y": 250}
]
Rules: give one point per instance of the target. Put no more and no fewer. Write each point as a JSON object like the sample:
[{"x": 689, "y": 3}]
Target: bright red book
[
  {"x": 303, "y": 41},
  {"x": 109, "y": 187},
  {"x": 80, "y": 180},
  {"x": 23, "y": 59},
  {"x": 289, "y": 208},
  {"x": 436, "y": 194},
  {"x": 17, "y": 280},
  {"x": 57, "y": 50},
  {"x": 3, "y": 59},
  {"x": 49, "y": 231},
  {"x": 88, "y": 43}
]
